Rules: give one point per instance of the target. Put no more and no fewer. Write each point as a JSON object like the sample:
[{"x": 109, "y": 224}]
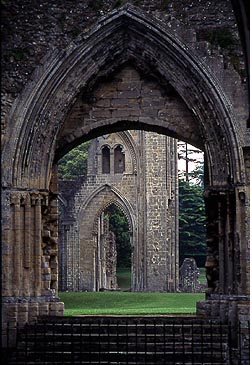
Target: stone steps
[{"x": 121, "y": 340}]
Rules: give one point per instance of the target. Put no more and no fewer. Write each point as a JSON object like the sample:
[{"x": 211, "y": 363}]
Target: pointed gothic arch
[
  {"x": 37, "y": 117},
  {"x": 90, "y": 235},
  {"x": 116, "y": 198},
  {"x": 126, "y": 34}
]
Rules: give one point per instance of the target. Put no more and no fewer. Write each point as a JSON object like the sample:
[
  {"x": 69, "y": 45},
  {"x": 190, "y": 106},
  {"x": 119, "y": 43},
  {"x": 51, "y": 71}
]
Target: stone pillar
[
  {"x": 226, "y": 255},
  {"x": 242, "y": 229},
  {"x": 27, "y": 244},
  {"x": 30, "y": 251},
  {"x": 226, "y": 265},
  {"x": 161, "y": 213},
  {"x": 7, "y": 246},
  {"x": 214, "y": 205},
  {"x": 103, "y": 283},
  {"x": 15, "y": 203},
  {"x": 37, "y": 247},
  {"x": 139, "y": 267},
  {"x": 63, "y": 229},
  {"x": 111, "y": 261}
]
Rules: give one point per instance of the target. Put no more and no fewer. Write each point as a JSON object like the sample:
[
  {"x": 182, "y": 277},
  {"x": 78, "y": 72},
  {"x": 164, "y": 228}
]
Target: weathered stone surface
[
  {"x": 146, "y": 192},
  {"x": 46, "y": 72},
  {"x": 188, "y": 277}
]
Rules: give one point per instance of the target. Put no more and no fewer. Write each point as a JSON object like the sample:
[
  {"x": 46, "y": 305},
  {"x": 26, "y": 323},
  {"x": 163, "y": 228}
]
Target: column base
[{"x": 16, "y": 312}]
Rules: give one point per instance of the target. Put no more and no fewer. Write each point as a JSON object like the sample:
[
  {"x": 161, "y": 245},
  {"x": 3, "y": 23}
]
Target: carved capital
[{"x": 15, "y": 198}]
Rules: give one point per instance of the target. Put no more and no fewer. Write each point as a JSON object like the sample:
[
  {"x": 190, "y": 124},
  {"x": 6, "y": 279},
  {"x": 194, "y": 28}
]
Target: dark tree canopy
[
  {"x": 74, "y": 163},
  {"x": 192, "y": 240}
]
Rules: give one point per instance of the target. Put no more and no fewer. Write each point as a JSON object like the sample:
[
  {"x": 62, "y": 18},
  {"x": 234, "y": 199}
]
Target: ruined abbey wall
[
  {"x": 146, "y": 191},
  {"x": 56, "y": 58}
]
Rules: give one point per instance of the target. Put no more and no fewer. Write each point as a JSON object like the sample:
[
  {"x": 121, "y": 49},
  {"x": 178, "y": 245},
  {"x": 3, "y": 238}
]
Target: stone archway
[
  {"x": 87, "y": 57},
  {"x": 147, "y": 189},
  {"x": 100, "y": 237},
  {"x": 38, "y": 134}
]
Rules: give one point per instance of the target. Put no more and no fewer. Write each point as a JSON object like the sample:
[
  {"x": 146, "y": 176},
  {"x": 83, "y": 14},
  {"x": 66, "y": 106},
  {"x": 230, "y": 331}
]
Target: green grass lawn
[{"x": 129, "y": 302}]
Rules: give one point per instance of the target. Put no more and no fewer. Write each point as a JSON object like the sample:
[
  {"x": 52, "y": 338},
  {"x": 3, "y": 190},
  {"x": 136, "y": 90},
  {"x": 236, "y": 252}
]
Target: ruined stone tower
[{"x": 136, "y": 171}]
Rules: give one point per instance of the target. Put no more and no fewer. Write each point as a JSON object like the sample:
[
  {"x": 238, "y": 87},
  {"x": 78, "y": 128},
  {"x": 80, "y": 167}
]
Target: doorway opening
[{"x": 119, "y": 226}]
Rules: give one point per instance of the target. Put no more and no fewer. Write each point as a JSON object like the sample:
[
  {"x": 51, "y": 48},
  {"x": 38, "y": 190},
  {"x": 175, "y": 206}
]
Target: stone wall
[
  {"x": 146, "y": 191},
  {"x": 191, "y": 49},
  {"x": 53, "y": 24},
  {"x": 31, "y": 32}
]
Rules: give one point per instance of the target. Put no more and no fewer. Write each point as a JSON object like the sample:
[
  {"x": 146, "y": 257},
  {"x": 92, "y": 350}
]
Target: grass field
[{"x": 129, "y": 302}]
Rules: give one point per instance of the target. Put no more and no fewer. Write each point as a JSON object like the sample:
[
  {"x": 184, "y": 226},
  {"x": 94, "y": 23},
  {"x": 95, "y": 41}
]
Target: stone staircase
[{"x": 122, "y": 340}]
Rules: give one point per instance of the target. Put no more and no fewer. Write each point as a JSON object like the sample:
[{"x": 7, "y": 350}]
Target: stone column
[
  {"x": 26, "y": 248},
  {"x": 161, "y": 213},
  {"x": 224, "y": 238},
  {"x": 212, "y": 239},
  {"x": 27, "y": 262},
  {"x": 103, "y": 252},
  {"x": 16, "y": 278},
  {"x": 139, "y": 267},
  {"x": 226, "y": 261},
  {"x": 242, "y": 236},
  {"x": 7, "y": 248},
  {"x": 37, "y": 246}
]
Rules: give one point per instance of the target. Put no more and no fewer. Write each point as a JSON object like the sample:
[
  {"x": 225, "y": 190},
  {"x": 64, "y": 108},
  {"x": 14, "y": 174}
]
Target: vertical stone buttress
[
  {"x": 140, "y": 247},
  {"x": 30, "y": 253},
  {"x": 161, "y": 213}
]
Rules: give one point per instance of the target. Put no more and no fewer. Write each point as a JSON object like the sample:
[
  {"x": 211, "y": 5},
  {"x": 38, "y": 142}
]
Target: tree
[
  {"x": 192, "y": 236},
  {"x": 197, "y": 174},
  {"x": 74, "y": 163},
  {"x": 192, "y": 157}
]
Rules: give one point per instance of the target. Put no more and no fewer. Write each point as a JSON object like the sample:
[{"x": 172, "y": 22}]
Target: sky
[{"x": 192, "y": 154}]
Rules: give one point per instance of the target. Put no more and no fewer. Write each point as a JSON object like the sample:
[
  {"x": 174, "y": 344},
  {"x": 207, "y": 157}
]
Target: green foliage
[
  {"x": 129, "y": 303},
  {"x": 197, "y": 175},
  {"x": 119, "y": 225},
  {"x": 192, "y": 239},
  {"x": 74, "y": 163}
]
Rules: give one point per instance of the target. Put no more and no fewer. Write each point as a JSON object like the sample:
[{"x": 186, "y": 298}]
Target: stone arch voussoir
[
  {"x": 121, "y": 202},
  {"x": 126, "y": 34}
]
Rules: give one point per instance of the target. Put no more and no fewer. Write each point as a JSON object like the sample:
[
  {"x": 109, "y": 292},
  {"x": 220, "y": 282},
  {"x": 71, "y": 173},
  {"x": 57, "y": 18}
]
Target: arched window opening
[
  {"x": 120, "y": 235},
  {"x": 105, "y": 160},
  {"x": 119, "y": 161}
]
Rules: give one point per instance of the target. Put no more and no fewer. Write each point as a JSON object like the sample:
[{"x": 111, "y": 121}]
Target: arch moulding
[
  {"x": 125, "y": 34},
  {"x": 32, "y": 147}
]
